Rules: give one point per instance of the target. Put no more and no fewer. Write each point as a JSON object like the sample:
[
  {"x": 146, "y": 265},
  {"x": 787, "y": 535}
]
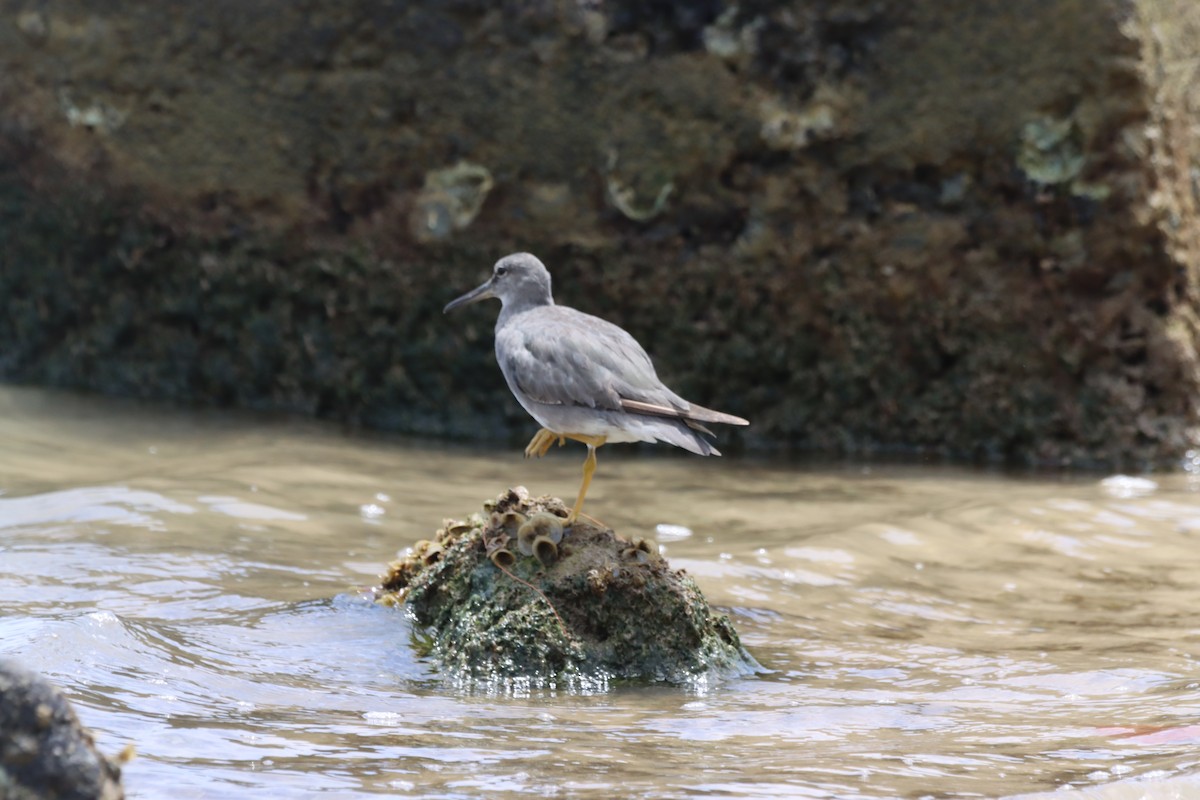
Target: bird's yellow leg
[
  {"x": 541, "y": 442},
  {"x": 589, "y": 469}
]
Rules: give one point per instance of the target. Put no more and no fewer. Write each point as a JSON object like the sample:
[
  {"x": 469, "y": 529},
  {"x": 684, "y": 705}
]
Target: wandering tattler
[{"x": 581, "y": 377}]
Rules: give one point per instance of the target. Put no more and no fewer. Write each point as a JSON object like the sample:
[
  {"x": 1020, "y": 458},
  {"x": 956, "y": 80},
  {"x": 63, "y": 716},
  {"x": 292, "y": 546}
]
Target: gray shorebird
[{"x": 581, "y": 377}]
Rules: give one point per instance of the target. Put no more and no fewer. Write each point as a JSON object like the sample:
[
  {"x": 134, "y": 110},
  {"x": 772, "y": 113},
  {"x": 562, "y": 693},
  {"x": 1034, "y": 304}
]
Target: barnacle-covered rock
[{"x": 574, "y": 608}]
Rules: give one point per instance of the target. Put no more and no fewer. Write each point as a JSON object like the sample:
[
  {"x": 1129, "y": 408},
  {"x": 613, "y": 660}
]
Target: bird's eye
[{"x": 501, "y": 271}]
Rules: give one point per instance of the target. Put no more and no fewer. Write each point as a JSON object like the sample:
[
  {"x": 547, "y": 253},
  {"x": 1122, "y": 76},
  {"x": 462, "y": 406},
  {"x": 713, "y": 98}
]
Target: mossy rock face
[
  {"x": 865, "y": 225},
  {"x": 599, "y": 609}
]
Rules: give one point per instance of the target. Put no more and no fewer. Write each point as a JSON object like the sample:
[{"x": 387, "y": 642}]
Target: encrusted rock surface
[
  {"x": 45, "y": 754},
  {"x": 591, "y": 610},
  {"x": 938, "y": 225}
]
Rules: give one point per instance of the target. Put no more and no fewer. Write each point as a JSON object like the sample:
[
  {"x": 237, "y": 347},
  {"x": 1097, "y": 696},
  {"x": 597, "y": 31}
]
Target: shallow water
[{"x": 193, "y": 581}]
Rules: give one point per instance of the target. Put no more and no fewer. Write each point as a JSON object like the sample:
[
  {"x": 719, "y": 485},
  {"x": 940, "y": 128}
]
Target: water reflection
[{"x": 193, "y": 582}]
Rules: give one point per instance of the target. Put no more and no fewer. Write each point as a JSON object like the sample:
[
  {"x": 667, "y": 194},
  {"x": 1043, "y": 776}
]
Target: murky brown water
[{"x": 190, "y": 580}]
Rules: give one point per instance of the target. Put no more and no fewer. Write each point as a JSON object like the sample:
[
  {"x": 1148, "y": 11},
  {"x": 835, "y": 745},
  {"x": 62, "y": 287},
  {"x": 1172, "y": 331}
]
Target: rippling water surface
[{"x": 193, "y": 581}]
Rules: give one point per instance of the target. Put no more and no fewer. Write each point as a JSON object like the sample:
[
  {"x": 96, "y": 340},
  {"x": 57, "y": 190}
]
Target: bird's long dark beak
[{"x": 475, "y": 295}]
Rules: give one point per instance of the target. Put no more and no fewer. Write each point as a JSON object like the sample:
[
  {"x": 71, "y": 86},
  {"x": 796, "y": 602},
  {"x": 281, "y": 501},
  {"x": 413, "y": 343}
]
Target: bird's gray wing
[{"x": 559, "y": 356}]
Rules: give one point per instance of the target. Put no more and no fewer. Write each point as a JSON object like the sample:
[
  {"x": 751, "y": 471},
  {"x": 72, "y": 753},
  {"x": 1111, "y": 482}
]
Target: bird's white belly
[{"x": 615, "y": 426}]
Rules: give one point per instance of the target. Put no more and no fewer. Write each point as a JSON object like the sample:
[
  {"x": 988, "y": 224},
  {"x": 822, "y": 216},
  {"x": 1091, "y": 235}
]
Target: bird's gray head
[{"x": 518, "y": 280}]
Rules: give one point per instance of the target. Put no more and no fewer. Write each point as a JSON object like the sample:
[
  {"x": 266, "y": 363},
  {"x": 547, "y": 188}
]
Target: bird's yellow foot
[{"x": 541, "y": 442}]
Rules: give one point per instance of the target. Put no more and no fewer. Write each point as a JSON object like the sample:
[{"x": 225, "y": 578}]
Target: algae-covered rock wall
[{"x": 864, "y": 224}]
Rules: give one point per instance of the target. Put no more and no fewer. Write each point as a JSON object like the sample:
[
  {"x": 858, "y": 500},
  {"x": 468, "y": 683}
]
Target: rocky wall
[{"x": 867, "y": 225}]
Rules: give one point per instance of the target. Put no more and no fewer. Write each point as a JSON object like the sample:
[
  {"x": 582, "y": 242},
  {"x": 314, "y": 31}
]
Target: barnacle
[
  {"x": 432, "y": 554},
  {"x": 624, "y": 197},
  {"x": 541, "y": 524},
  {"x": 545, "y": 550},
  {"x": 502, "y": 557},
  {"x": 635, "y": 554},
  {"x": 509, "y": 520},
  {"x": 450, "y": 200}
]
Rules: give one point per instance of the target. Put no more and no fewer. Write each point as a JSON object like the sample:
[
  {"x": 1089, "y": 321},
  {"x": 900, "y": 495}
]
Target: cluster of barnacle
[
  {"x": 421, "y": 556},
  {"x": 643, "y": 551},
  {"x": 537, "y": 535},
  {"x": 639, "y": 551},
  {"x": 430, "y": 552}
]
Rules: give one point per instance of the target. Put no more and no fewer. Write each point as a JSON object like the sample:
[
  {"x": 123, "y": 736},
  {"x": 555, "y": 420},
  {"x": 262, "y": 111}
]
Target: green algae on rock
[{"x": 601, "y": 609}]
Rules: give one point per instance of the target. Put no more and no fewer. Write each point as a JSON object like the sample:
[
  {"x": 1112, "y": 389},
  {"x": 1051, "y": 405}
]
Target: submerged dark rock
[
  {"x": 599, "y": 608},
  {"x": 45, "y": 754}
]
